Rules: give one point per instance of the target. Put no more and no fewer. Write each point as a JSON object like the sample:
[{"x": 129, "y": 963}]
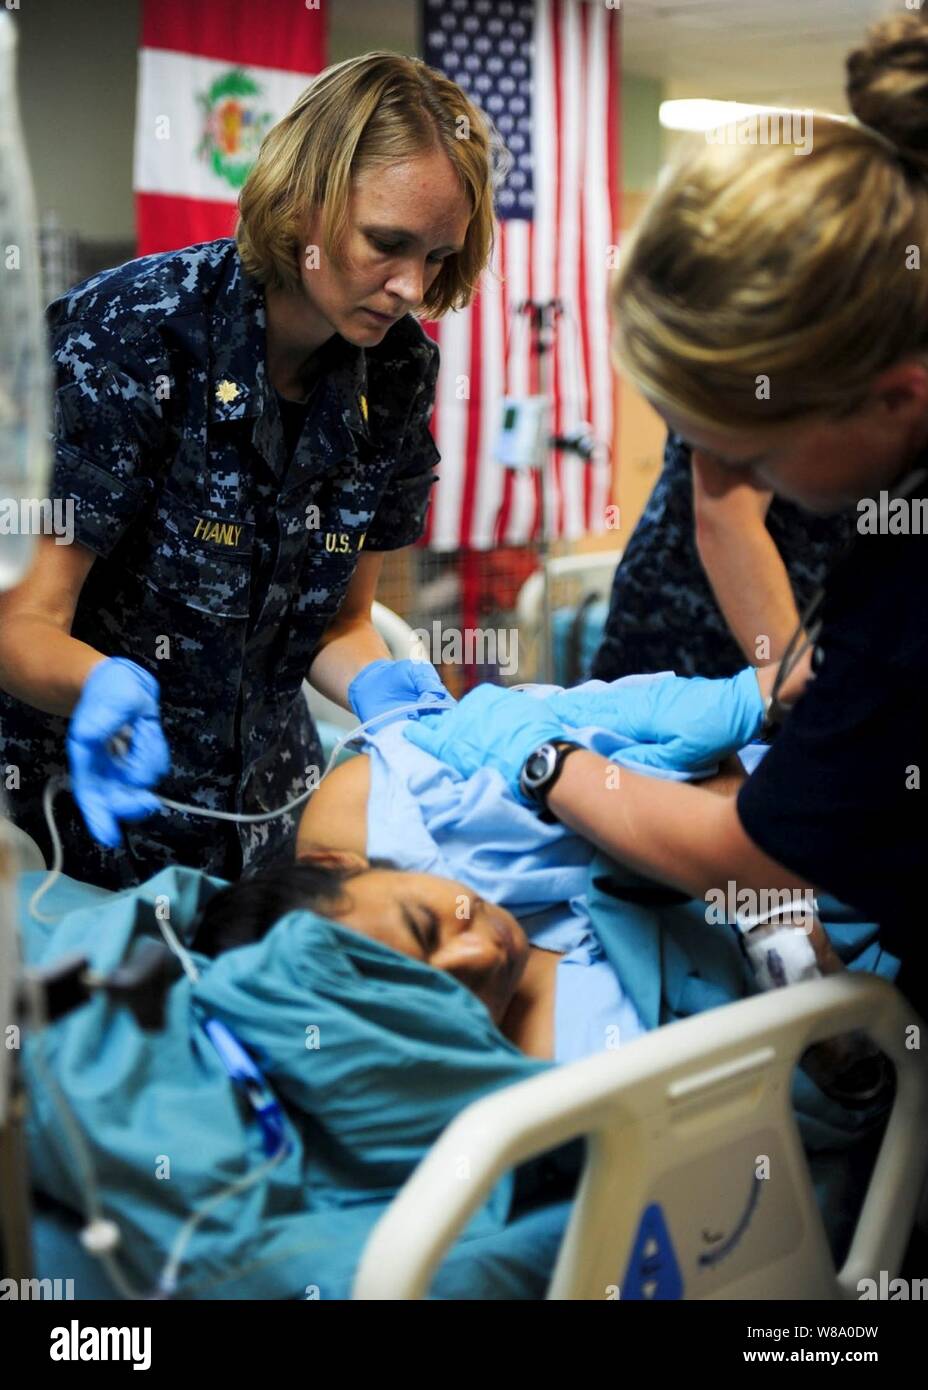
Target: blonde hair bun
[{"x": 887, "y": 84}]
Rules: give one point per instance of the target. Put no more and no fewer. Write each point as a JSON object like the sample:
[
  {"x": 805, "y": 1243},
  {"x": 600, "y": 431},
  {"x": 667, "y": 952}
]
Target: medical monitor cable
[{"x": 56, "y": 784}]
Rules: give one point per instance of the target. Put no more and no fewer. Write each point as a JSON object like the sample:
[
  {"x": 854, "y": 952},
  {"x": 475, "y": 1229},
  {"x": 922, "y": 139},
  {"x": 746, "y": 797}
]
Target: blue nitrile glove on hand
[
  {"x": 490, "y": 727},
  {"x": 679, "y": 722},
  {"x": 383, "y": 684},
  {"x": 109, "y": 788}
]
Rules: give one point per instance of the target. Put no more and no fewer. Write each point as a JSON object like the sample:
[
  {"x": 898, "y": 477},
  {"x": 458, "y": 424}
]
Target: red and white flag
[
  {"x": 547, "y": 71},
  {"x": 214, "y": 76}
]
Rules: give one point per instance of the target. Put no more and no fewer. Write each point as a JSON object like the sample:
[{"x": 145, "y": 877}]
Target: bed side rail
[{"x": 695, "y": 1183}]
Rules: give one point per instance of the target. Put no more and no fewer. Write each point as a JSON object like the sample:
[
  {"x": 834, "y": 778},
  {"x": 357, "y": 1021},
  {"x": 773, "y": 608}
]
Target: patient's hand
[{"x": 336, "y": 814}]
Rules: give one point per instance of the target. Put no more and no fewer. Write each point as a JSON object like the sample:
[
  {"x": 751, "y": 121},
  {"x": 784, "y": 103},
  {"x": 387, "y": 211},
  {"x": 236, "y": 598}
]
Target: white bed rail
[
  {"x": 595, "y": 570},
  {"x": 693, "y": 1121}
]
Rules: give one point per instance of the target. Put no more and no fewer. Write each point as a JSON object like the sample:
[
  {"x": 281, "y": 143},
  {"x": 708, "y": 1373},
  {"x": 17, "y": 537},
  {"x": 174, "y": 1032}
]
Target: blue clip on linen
[{"x": 245, "y": 1074}]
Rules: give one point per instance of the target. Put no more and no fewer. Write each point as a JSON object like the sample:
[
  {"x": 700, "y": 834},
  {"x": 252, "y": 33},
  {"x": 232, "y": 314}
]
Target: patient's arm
[
  {"x": 336, "y": 814},
  {"x": 336, "y": 818}
]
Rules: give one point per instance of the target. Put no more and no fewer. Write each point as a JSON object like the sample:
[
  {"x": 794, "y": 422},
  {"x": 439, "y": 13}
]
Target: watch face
[{"x": 536, "y": 767}]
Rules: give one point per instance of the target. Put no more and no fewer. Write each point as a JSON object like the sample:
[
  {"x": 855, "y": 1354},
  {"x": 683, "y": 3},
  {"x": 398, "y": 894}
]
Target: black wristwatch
[{"x": 541, "y": 770}]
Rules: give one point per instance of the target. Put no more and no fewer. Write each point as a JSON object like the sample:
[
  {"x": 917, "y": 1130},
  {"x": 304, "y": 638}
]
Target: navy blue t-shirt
[
  {"x": 293, "y": 418},
  {"x": 839, "y": 797}
]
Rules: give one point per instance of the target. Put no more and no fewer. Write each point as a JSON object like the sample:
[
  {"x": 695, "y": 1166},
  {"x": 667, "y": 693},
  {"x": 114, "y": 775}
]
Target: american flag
[{"x": 546, "y": 71}]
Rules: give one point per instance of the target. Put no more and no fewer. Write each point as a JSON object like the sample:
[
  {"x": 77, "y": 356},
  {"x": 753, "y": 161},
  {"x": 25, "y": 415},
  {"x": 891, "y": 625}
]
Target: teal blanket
[{"x": 371, "y": 1054}]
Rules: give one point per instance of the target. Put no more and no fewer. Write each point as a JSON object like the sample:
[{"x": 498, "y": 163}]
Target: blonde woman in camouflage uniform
[{"x": 242, "y": 426}]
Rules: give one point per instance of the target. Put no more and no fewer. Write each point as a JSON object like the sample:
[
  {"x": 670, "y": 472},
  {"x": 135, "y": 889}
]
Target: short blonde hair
[
  {"x": 378, "y": 108},
  {"x": 756, "y": 261}
]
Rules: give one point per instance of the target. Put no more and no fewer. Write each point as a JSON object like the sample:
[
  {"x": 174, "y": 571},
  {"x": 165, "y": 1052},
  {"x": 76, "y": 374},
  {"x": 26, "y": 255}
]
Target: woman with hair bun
[
  {"x": 774, "y": 311},
  {"x": 242, "y": 426}
]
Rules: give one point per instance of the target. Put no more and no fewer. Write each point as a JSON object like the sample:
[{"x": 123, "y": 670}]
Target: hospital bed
[
  {"x": 676, "y": 1199},
  {"x": 695, "y": 1184},
  {"x": 579, "y": 588}
]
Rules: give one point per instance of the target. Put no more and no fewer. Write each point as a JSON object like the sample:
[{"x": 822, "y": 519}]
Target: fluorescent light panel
[{"x": 697, "y": 113}]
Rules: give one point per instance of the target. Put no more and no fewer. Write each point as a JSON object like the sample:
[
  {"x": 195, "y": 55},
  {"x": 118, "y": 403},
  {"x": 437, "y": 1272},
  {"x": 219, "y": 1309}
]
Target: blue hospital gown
[{"x": 425, "y": 817}]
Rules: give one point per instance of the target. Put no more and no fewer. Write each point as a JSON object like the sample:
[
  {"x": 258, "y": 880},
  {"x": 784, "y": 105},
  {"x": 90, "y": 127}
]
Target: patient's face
[{"x": 445, "y": 924}]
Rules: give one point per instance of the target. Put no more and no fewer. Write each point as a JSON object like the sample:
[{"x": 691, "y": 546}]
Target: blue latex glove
[
  {"x": 383, "y": 684},
  {"x": 491, "y": 727},
  {"x": 680, "y": 722},
  {"x": 109, "y": 788}
]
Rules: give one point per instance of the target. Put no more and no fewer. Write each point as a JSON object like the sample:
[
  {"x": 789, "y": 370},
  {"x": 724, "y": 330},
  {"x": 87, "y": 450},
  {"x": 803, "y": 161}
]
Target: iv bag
[{"x": 25, "y": 375}]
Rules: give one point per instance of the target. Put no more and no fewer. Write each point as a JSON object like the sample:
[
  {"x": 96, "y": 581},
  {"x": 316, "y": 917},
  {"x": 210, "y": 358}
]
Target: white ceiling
[{"x": 779, "y": 52}]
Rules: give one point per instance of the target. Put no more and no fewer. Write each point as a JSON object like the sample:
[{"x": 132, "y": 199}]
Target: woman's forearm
[
  {"x": 677, "y": 833},
  {"x": 346, "y": 648},
  {"x": 666, "y": 830},
  {"x": 752, "y": 588},
  {"x": 42, "y": 665}
]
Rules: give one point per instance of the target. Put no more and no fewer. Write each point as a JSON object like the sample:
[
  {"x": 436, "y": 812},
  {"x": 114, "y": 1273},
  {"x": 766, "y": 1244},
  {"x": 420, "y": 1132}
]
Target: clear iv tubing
[
  {"x": 56, "y": 784},
  {"x": 167, "y": 1280}
]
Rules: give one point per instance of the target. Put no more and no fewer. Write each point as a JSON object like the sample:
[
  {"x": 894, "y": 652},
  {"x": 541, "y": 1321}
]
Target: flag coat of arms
[{"x": 213, "y": 78}]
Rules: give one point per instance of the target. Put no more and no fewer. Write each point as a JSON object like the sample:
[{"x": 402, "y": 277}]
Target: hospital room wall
[
  {"x": 77, "y": 83},
  {"x": 638, "y": 445}
]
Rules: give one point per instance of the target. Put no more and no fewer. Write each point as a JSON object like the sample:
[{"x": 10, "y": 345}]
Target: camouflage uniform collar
[{"x": 239, "y": 388}]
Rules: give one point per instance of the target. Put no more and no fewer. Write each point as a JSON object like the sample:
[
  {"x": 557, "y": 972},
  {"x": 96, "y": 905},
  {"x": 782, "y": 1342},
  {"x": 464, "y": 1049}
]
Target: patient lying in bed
[
  {"x": 437, "y": 920},
  {"x": 454, "y": 872}
]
